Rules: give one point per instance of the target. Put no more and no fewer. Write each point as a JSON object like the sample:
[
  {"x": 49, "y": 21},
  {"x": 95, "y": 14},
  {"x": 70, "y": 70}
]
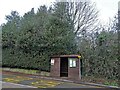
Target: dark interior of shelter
[{"x": 64, "y": 67}]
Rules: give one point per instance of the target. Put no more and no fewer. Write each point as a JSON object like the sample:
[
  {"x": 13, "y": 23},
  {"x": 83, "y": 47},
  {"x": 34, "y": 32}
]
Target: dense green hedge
[
  {"x": 30, "y": 40},
  {"x": 18, "y": 59}
]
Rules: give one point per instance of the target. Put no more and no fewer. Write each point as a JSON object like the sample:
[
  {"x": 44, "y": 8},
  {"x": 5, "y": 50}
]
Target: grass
[
  {"x": 0, "y": 69},
  {"x": 99, "y": 80},
  {"x": 111, "y": 83},
  {"x": 26, "y": 71}
]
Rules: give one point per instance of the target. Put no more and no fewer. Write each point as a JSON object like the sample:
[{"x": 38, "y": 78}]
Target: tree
[
  {"x": 83, "y": 15},
  {"x": 60, "y": 31},
  {"x": 10, "y": 29},
  {"x": 100, "y": 51},
  {"x": 13, "y": 17},
  {"x": 39, "y": 36}
]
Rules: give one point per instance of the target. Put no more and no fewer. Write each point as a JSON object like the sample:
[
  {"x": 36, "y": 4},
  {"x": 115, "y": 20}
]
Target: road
[
  {"x": 22, "y": 81},
  {"x": 67, "y": 85},
  {"x": 13, "y": 85}
]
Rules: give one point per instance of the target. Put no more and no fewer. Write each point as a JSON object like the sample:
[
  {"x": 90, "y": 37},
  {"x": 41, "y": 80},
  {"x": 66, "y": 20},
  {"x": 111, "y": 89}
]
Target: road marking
[
  {"x": 45, "y": 83},
  {"x": 16, "y": 79},
  {"x": 19, "y": 84}
]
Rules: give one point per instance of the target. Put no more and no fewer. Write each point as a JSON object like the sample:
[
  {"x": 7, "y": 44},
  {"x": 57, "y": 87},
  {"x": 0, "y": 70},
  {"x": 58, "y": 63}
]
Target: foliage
[
  {"x": 64, "y": 28},
  {"x": 111, "y": 83},
  {"x": 100, "y": 53},
  {"x": 29, "y": 41}
]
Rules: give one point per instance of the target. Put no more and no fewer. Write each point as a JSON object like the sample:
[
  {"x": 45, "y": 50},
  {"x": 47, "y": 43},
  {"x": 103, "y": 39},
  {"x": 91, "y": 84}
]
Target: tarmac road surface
[
  {"x": 13, "y": 85},
  {"x": 66, "y": 85},
  {"x": 21, "y": 81}
]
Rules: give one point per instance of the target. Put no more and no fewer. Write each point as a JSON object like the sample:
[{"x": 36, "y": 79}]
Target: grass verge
[
  {"x": 26, "y": 71},
  {"x": 99, "y": 80},
  {"x": 111, "y": 83}
]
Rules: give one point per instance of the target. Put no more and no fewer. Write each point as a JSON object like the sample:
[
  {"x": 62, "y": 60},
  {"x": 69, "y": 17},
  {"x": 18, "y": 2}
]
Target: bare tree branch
[{"x": 83, "y": 14}]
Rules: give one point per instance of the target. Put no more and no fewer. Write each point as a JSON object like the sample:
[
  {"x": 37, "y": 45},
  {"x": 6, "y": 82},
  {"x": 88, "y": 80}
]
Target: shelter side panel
[
  {"x": 74, "y": 72},
  {"x": 55, "y": 67}
]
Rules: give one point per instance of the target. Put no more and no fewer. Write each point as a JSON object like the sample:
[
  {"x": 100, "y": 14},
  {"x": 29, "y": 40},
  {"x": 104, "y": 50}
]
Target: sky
[{"x": 107, "y": 8}]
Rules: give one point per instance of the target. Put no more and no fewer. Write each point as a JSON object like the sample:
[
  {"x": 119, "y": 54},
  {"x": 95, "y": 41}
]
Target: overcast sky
[{"x": 107, "y": 8}]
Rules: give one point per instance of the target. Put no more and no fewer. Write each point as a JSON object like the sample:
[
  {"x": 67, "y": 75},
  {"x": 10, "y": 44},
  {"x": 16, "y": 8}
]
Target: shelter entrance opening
[{"x": 64, "y": 67}]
